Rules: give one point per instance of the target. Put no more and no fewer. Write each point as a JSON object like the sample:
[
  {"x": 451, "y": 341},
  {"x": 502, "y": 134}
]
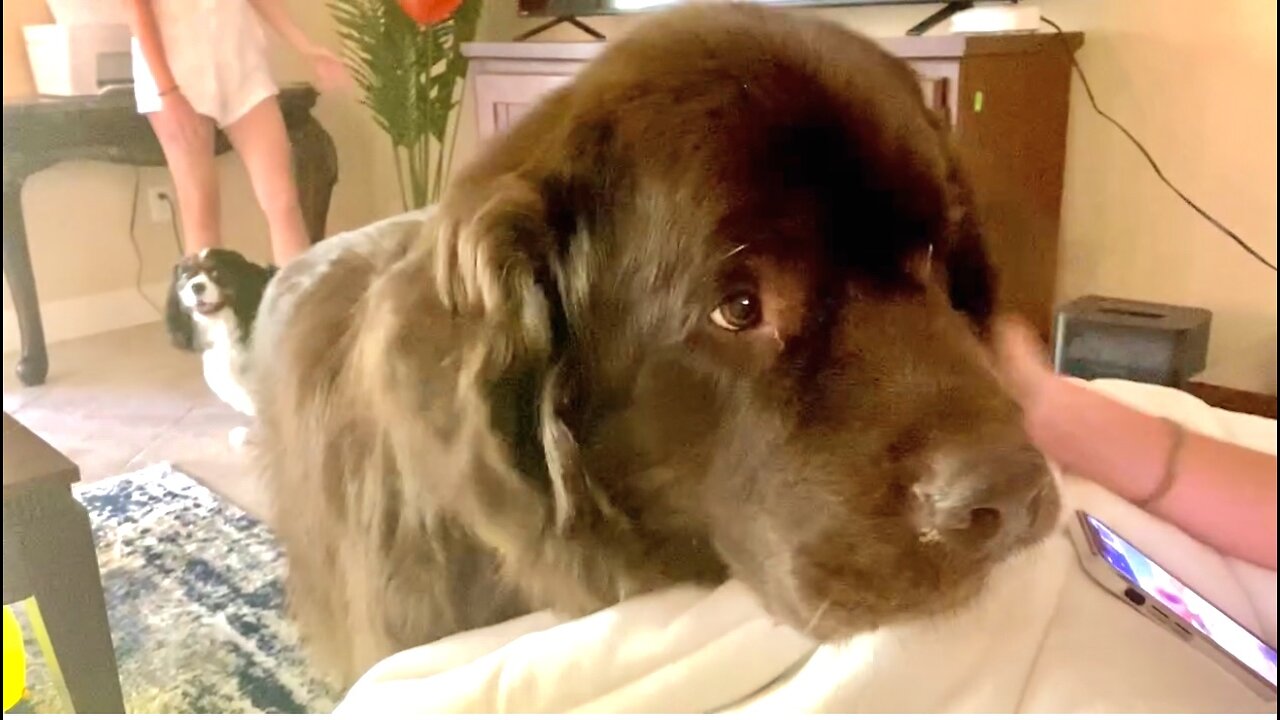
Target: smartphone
[{"x": 1154, "y": 592}]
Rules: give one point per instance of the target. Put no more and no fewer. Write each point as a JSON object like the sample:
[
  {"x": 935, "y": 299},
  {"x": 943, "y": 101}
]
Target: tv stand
[
  {"x": 941, "y": 15},
  {"x": 560, "y": 21}
]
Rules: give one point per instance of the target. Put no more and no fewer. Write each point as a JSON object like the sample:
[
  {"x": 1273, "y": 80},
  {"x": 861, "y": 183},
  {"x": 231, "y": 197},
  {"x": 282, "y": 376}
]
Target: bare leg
[
  {"x": 195, "y": 177},
  {"x": 263, "y": 144}
]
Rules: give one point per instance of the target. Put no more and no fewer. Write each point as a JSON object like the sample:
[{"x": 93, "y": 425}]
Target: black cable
[
  {"x": 133, "y": 240},
  {"x": 1088, "y": 91},
  {"x": 173, "y": 222},
  {"x": 133, "y": 234}
]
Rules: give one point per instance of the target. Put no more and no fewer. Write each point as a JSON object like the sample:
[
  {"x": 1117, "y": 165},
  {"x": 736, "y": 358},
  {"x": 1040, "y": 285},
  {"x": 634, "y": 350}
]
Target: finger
[{"x": 1014, "y": 337}]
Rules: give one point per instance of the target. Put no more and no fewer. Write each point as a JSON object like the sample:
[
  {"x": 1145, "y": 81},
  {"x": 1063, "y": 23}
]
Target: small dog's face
[
  {"x": 768, "y": 294},
  {"x": 202, "y": 281},
  {"x": 207, "y": 283}
]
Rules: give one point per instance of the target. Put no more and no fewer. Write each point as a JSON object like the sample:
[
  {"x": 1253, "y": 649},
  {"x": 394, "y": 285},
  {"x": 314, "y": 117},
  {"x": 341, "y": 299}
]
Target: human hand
[
  {"x": 331, "y": 73},
  {"x": 187, "y": 125},
  {"x": 1021, "y": 360}
]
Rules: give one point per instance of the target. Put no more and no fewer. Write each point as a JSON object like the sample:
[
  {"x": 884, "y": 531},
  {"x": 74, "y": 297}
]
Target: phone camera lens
[{"x": 1135, "y": 597}]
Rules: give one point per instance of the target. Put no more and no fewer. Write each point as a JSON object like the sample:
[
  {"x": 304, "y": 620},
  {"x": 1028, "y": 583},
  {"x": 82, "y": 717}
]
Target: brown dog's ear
[
  {"x": 579, "y": 502},
  {"x": 497, "y": 272},
  {"x": 970, "y": 278},
  {"x": 494, "y": 257}
]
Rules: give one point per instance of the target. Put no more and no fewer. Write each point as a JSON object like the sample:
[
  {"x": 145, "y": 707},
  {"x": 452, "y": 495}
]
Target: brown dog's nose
[{"x": 987, "y": 500}]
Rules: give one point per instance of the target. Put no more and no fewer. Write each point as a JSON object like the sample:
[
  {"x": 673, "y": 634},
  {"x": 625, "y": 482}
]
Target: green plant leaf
[{"x": 410, "y": 78}]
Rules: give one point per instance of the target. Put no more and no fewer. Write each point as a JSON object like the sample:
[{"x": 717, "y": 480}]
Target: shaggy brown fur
[{"x": 711, "y": 310}]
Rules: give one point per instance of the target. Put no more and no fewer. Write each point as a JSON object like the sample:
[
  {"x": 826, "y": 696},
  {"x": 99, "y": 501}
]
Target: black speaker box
[{"x": 1102, "y": 337}]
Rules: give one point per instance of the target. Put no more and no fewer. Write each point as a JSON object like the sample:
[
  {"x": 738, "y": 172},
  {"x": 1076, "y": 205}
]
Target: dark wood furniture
[
  {"x": 1005, "y": 97},
  {"x": 42, "y": 132},
  {"x": 50, "y": 557},
  {"x": 1241, "y": 401}
]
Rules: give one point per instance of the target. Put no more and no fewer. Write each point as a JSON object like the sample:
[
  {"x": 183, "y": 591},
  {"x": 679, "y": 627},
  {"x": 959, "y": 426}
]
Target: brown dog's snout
[{"x": 988, "y": 499}]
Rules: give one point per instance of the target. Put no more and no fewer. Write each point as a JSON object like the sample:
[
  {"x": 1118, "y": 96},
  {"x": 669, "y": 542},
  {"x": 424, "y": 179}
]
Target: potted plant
[{"x": 405, "y": 56}]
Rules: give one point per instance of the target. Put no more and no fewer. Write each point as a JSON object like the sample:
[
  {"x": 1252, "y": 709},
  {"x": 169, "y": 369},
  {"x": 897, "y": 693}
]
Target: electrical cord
[
  {"x": 133, "y": 234},
  {"x": 133, "y": 241},
  {"x": 1088, "y": 91},
  {"x": 173, "y": 221}
]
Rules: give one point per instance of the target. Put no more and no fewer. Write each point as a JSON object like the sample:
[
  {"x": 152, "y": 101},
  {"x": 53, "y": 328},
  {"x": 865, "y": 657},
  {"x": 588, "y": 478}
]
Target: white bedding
[{"x": 1043, "y": 638}]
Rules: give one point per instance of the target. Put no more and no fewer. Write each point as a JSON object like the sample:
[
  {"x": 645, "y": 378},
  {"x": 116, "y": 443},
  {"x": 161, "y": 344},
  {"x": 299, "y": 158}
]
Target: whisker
[{"x": 817, "y": 615}]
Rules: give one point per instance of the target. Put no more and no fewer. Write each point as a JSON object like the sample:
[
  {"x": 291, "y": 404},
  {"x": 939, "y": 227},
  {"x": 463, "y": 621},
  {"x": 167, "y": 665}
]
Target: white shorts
[{"x": 217, "y": 53}]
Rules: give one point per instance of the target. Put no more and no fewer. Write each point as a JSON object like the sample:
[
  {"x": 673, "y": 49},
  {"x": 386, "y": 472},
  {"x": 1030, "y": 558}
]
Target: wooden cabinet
[
  {"x": 1004, "y": 96},
  {"x": 504, "y": 98},
  {"x": 508, "y": 78}
]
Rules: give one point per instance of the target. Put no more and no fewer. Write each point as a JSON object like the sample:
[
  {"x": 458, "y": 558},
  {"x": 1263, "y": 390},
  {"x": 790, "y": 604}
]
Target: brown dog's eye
[{"x": 737, "y": 312}]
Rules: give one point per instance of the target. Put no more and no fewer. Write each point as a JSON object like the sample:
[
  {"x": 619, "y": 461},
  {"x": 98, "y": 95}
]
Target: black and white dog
[{"x": 211, "y": 308}]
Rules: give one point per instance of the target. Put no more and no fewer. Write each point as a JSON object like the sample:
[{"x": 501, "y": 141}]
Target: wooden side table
[{"x": 50, "y": 557}]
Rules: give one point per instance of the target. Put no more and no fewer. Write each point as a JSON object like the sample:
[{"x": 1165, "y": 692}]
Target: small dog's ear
[
  {"x": 248, "y": 282},
  {"x": 177, "y": 319}
]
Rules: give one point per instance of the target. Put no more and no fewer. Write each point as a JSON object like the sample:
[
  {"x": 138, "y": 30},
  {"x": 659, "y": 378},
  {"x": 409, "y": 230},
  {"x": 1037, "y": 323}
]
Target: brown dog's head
[{"x": 740, "y": 263}]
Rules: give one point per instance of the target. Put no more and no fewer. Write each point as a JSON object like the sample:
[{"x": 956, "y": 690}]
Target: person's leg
[
  {"x": 259, "y": 136},
  {"x": 195, "y": 178}
]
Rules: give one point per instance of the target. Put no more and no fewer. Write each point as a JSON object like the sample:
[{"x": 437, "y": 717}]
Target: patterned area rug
[{"x": 195, "y": 598}]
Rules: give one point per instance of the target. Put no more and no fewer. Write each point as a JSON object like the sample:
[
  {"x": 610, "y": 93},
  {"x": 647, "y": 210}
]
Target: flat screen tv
[
  {"x": 584, "y": 8},
  {"x": 569, "y": 10}
]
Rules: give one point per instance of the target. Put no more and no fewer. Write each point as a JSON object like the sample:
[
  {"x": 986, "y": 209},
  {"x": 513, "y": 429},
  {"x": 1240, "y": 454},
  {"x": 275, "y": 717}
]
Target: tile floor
[{"x": 124, "y": 400}]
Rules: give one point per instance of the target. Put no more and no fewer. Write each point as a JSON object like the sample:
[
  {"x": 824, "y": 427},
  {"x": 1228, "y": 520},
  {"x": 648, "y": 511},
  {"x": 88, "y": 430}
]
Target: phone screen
[{"x": 1183, "y": 601}]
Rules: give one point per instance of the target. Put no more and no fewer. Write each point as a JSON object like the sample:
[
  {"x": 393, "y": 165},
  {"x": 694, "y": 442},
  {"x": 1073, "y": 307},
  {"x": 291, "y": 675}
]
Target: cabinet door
[
  {"x": 935, "y": 95},
  {"x": 940, "y": 83},
  {"x": 502, "y": 99}
]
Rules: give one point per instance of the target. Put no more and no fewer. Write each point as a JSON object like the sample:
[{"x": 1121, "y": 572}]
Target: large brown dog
[{"x": 714, "y": 309}]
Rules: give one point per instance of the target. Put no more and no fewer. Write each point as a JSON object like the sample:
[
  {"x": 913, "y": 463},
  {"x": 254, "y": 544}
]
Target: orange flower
[{"x": 429, "y": 12}]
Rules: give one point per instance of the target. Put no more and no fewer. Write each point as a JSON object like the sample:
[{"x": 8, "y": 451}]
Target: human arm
[
  {"x": 142, "y": 20},
  {"x": 328, "y": 68},
  {"x": 178, "y": 112},
  {"x": 1221, "y": 493}
]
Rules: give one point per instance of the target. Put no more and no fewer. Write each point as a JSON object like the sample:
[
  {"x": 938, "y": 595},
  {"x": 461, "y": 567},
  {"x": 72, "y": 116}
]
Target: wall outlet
[{"x": 158, "y": 206}]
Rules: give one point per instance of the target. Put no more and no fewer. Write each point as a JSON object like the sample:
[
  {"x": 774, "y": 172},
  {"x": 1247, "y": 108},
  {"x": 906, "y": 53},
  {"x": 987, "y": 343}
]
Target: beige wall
[
  {"x": 1195, "y": 80},
  {"x": 17, "y": 13}
]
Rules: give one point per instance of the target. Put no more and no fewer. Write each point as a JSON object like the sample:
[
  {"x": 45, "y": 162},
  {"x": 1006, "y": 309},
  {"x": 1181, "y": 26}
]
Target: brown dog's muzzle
[{"x": 986, "y": 498}]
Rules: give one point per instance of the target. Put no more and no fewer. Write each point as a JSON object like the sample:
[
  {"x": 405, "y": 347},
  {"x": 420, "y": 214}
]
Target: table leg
[
  {"x": 70, "y": 618},
  {"x": 315, "y": 162},
  {"x": 33, "y": 366}
]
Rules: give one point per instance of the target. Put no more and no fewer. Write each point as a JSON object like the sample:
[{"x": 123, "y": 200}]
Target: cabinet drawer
[{"x": 502, "y": 99}]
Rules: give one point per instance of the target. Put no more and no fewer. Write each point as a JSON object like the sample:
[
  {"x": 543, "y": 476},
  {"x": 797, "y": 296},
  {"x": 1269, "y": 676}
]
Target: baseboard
[{"x": 90, "y": 314}]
